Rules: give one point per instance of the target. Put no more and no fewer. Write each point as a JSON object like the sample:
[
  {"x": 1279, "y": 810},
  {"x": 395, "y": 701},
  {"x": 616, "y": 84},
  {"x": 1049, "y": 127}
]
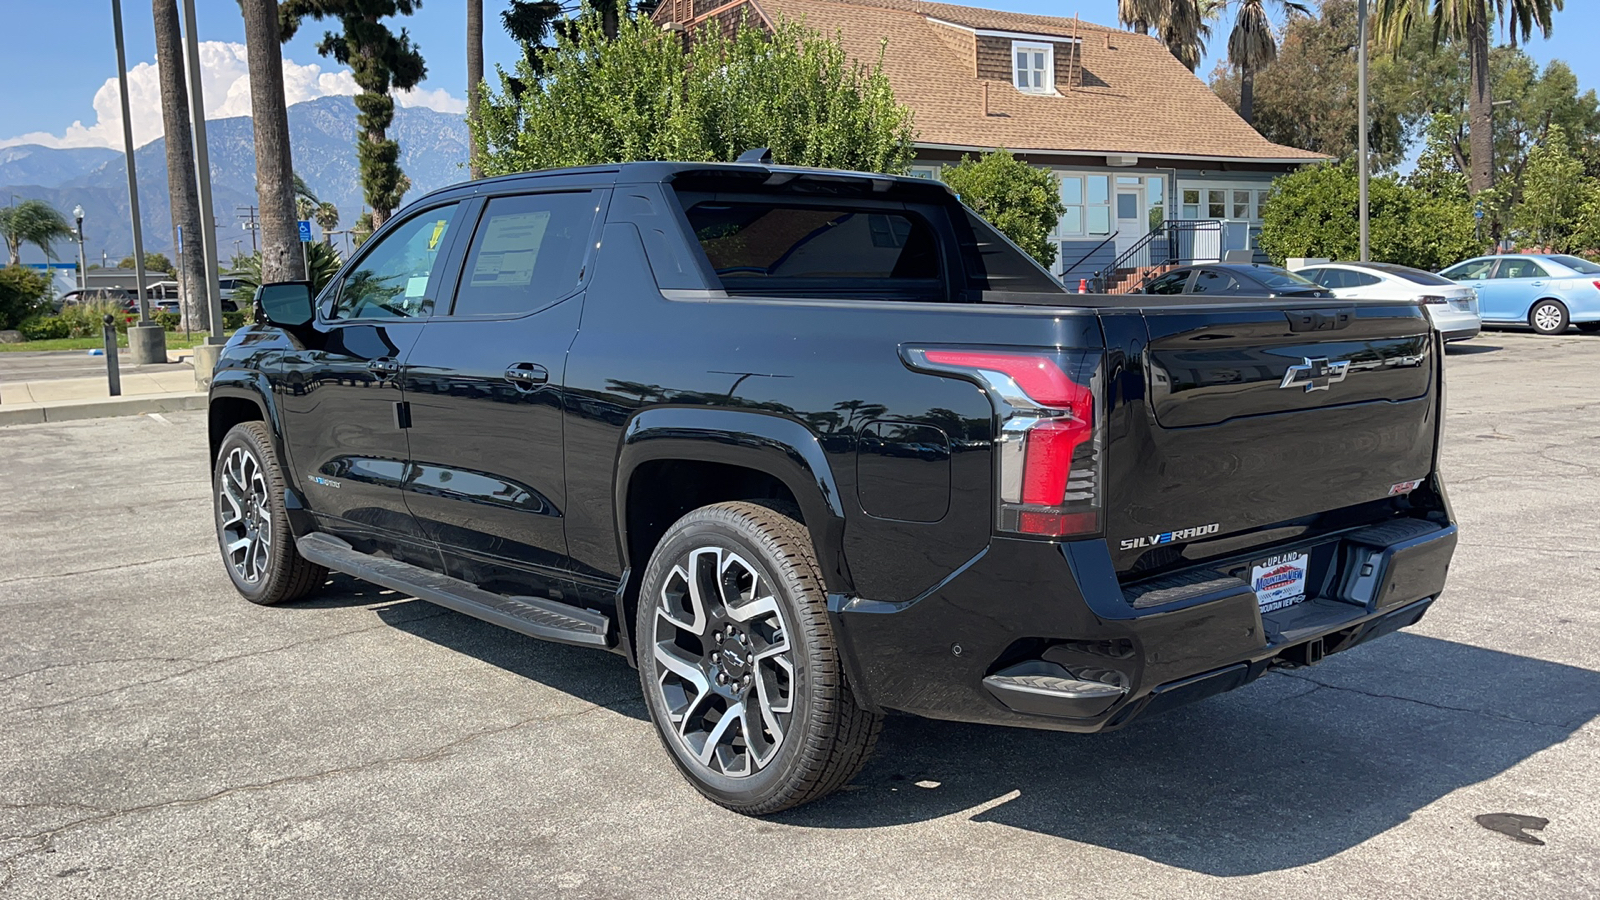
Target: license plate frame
[{"x": 1280, "y": 580}]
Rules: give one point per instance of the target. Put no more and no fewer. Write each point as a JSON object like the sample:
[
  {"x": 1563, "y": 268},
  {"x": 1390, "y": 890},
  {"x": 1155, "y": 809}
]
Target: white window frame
[
  {"x": 1256, "y": 190},
  {"x": 1047, "y": 76}
]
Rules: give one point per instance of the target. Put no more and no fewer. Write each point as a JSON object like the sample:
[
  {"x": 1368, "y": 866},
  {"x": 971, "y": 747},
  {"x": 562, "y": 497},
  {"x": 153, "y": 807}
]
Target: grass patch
[{"x": 175, "y": 341}]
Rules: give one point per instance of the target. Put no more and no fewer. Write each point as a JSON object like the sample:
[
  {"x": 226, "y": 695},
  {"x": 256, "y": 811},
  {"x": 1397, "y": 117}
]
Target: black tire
[
  {"x": 1588, "y": 327},
  {"x": 247, "y": 499},
  {"x": 825, "y": 737},
  {"x": 1548, "y": 317}
]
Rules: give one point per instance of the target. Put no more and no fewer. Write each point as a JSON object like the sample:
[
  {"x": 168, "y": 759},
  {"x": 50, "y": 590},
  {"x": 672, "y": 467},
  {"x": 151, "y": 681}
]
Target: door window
[
  {"x": 1470, "y": 271},
  {"x": 526, "y": 254},
  {"x": 1519, "y": 268},
  {"x": 1328, "y": 278},
  {"x": 1127, "y": 205},
  {"x": 1211, "y": 281},
  {"x": 398, "y": 276},
  {"x": 1170, "y": 283},
  {"x": 1361, "y": 279}
]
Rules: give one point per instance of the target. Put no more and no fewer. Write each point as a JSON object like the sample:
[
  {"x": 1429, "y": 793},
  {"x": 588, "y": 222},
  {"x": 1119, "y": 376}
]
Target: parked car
[
  {"x": 1546, "y": 292},
  {"x": 1452, "y": 307},
  {"x": 1236, "y": 280},
  {"x": 828, "y": 445}
]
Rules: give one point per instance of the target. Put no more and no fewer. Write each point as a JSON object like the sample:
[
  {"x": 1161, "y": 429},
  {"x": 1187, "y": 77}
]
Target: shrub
[
  {"x": 170, "y": 321},
  {"x": 23, "y": 294},
  {"x": 232, "y": 321},
  {"x": 88, "y": 319},
  {"x": 44, "y": 328},
  {"x": 1022, "y": 201}
]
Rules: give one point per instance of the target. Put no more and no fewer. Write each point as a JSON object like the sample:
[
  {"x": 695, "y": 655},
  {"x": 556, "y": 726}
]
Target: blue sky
[{"x": 55, "y": 70}]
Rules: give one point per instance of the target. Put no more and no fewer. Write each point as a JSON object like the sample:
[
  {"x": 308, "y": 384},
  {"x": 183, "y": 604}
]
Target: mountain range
[{"x": 322, "y": 135}]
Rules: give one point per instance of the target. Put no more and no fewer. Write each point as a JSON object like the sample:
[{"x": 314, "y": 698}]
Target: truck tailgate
[{"x": 1237, "y": 425}]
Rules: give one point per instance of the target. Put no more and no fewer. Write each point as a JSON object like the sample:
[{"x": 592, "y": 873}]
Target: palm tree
[
  {"x": 181, "y": 187},
  {"x": 1468, "y": 21},
  {"x": 1184, "y": 29},
  {"x": 1252, "y": 47},
  {"x": 474, "y": 82},
  {"x": 32, "y": 222},
  {"x": 1142, "y": 14},
  {"x": 327, "y": 216},
  {"x": 282, "y": 257}
]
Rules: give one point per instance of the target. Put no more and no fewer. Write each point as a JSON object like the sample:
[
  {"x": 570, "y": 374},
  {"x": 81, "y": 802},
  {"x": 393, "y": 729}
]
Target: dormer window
[{"x": 1034, "y": 67}]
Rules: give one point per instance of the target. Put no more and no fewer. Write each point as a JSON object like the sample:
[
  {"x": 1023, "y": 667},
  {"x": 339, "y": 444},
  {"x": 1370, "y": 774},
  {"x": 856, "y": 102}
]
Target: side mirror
[{"x": 286, "y": 304}]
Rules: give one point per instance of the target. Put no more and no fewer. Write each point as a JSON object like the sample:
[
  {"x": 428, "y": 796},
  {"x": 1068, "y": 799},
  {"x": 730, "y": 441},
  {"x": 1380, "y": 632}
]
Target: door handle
[
  {"x": 385, "y": 366},
  {"x": 1539, "y": 283},
  {"x": 527, "y": 376}
]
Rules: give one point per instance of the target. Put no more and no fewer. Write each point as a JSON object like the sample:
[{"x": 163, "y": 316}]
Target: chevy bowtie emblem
[{"x": 1315, "y": 373}]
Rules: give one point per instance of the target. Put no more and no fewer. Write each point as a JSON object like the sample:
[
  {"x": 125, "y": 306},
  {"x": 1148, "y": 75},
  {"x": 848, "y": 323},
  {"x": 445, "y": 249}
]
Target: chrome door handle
[{"x": 527, "y": 376}]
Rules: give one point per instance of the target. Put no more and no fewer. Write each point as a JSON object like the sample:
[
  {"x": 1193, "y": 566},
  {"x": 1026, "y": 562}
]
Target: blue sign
[
  {"x": 305, "y": 231},
  {"x": 1477, "y": 213},
  {"x": 179, "y": 246}
]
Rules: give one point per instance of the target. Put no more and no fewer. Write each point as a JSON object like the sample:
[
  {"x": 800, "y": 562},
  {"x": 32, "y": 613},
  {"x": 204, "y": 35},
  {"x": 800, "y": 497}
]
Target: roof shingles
[{"x": 1134, "y": 98}]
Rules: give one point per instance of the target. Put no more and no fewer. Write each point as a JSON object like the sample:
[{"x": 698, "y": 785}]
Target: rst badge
[{"x": 1168, "y": 537}]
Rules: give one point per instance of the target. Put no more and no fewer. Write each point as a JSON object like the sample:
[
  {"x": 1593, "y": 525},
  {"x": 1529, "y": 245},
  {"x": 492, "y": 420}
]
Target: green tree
[
  {"x": 645, "y": 95},
  {"x": 33, "y": 222},
  {"x": 327, "y": 216},
  {"x": 1555, "y": 192},
  {"x": 1312, "y": 212},
  {"x": 380, "y": 61},
  {"x": 1468, "y": 23},
  {"x": 23, "y": 293},
  {"x": 362, "y": 229},
  {"x": 1022, "y": 201},
  {"x": 322, "y": 263},
  {"x": 153, "y": 262}
]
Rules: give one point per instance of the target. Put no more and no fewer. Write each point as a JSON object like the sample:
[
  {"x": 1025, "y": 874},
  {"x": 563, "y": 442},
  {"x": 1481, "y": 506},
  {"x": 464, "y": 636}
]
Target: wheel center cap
[{"x": 733, "y": 660}]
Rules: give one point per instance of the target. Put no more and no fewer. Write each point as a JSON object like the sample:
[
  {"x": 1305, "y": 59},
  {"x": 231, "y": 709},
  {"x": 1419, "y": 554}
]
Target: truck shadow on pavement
[{"x": 1291, "y": 770}]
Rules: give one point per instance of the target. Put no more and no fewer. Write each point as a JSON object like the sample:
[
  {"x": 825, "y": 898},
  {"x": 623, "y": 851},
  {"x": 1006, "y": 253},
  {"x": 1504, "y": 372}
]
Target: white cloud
[{"x": 225, "y": 78}]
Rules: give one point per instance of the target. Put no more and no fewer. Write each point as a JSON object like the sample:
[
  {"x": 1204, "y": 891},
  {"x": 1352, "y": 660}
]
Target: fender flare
[
  {"x": 253, "y": 386},
  {"x": 777, "y": 446}
]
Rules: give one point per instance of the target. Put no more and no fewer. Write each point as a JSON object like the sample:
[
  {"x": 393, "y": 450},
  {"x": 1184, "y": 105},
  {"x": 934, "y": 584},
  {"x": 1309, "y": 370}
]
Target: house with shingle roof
[{"x": 1136, "y": 139}]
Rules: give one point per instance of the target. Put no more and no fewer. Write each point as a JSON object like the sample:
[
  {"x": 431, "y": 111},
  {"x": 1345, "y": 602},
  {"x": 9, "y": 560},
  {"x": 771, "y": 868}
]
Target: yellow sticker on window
[{"x": 438, "y": 231}]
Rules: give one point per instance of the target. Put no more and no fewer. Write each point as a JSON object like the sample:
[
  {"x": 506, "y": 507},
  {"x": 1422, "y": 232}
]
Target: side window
[
  {"x": 1520, "y": 268},
  {"x": 1361, "y": 279},
  {"x": 1211, "y": 281},
  {"x": 1170, "y": 283},
  {"x": 398, "y": 276},
  {"x": 1328, "y": 278},
  {"x": 1470, "y": 271},
  {"x": 526, "y": 254}
]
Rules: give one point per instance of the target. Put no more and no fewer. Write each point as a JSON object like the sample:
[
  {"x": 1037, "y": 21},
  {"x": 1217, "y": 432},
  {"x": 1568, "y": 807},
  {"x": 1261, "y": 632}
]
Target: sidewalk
[{"x": 150, "y": 389}]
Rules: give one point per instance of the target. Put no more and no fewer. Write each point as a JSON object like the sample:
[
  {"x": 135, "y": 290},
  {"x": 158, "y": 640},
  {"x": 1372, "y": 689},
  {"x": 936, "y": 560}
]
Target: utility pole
[
  {"x": 1361, "y": 92},
  {"x": 252, "y": 223},
  {"x": 83, "y": 263},
  {"x": 147, "y": 342},
  {"x": 202, "y": 165}
]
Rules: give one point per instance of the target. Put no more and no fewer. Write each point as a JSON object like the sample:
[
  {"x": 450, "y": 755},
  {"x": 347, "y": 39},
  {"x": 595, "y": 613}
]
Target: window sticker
[
  {"x": 510, "y": 250},
  {"x": 416, "y": 285}
]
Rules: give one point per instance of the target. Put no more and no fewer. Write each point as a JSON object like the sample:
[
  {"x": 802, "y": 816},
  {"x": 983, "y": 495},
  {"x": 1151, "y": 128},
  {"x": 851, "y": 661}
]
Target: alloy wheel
[
  {"x": 724, "y": 666},
  {"x": 1547, "y": 317},
  {"x": 246, "y": 517}
]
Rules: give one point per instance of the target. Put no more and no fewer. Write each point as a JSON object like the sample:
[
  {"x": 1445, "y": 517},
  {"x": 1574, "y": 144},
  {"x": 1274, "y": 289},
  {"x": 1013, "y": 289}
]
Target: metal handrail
[
  {"x": 1169, "y": 231},
  {"x": 1066, "y": 269}
]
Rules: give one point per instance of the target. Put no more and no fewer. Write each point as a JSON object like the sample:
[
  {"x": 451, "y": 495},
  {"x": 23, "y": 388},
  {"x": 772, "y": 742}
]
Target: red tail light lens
[{"x": 1049, "y": 443}]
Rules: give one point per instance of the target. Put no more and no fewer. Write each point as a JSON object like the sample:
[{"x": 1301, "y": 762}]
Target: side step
[
  {"x": 532, "y": 616},
  {"x": 1039, "y": 688}
]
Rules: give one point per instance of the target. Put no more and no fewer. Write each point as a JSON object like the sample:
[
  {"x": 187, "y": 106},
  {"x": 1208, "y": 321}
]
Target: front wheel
[
  {"x": 252, "y": 526},
  {"x": 739, "y": 665},
  {"x": 1548, "y": 317}
]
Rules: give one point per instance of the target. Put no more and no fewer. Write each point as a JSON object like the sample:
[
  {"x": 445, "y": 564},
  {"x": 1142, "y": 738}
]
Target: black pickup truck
[{"x": 808, "y": 447}]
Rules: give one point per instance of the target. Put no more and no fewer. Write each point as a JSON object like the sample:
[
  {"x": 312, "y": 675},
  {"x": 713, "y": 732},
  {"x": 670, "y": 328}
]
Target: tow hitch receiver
[{"x": 1301, "y": 655}]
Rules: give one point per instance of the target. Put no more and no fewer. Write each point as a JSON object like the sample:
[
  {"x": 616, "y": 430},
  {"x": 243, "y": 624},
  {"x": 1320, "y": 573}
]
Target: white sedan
[{"x": 1452, "y": 307}]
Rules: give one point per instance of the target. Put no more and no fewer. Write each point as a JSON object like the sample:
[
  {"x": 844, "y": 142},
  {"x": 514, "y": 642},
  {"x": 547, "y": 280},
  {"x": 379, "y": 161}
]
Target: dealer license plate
[{"x": 1280, "y": 581}]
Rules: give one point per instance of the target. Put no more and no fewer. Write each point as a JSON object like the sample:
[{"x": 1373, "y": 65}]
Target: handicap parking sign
[{"x": 305, "y": 231}]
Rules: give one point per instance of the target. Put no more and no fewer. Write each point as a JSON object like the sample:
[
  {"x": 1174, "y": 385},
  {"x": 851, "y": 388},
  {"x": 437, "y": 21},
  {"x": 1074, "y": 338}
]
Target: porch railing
[{"x": 1173, "y": 243}]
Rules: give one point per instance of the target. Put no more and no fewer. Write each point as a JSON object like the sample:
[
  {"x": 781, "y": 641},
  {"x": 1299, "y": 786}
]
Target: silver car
[{"x": 1452, "y": 307}]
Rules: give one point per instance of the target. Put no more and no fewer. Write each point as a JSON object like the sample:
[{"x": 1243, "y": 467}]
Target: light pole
[
  {"x": 147, "y": 341},
  {"x": 83, "y": 262},
  {"x": 1361, "y": 128}
]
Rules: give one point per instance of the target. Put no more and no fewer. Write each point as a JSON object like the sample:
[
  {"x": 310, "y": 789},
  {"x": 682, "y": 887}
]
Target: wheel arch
[
  {"x": 1566, "y": 306},
  {"x": 703, "y": 456}
]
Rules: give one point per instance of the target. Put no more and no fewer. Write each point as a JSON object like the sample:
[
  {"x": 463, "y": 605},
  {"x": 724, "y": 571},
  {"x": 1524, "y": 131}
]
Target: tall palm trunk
[
  {"x": 1247, "y": 95},
  {"x": 282, "y": 257},
  {"x": 1480, "y": 109},
  {"x": 474, "y": 79},
  {"x": 184, "y": 194}
]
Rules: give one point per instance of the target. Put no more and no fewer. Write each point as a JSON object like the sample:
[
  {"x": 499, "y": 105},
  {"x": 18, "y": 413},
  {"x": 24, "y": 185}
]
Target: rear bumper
[{"x": 1043, "y": 635}]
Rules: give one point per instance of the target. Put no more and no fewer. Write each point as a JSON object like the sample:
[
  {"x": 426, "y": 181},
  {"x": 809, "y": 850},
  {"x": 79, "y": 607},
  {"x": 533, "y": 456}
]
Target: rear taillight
[
  {"x": 1434, "y": 299},
  {"x": 1050, "y": 437},
  {"x": 1597, "y": 284}
]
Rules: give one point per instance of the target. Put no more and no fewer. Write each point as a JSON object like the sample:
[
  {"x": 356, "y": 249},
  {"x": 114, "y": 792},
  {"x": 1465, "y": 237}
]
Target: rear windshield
[
  {"x": 1578, "y": 264},
  {"x": 1281, "y": 279},
  {"x": 766, "y": 248},
  {"x": 1415, "y": 276}
]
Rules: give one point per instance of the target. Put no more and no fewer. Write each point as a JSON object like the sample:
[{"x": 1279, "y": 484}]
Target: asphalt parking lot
[{"x": 161, "y": 737}]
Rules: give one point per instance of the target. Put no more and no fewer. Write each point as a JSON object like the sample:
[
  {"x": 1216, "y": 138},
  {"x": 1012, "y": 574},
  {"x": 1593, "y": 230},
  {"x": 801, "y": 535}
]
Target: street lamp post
[
  {"x": 83, "y": 262},
  {"x": 1361, "y": 129}
]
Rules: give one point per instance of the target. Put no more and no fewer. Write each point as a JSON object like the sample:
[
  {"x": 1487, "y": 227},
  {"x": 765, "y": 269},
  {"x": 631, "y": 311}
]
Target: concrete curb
[{"x": 100, "y": 408}]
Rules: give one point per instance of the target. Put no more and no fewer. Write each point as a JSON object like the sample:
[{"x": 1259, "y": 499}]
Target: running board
[{"x": 533, "y": 616}]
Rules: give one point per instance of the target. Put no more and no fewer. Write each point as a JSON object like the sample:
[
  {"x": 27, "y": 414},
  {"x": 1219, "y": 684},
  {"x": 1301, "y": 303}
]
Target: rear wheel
[
  {"x": 739, "y": 665},
  {"x": 1548, "y": 317},
  {"x": 252, "y": 527}
]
